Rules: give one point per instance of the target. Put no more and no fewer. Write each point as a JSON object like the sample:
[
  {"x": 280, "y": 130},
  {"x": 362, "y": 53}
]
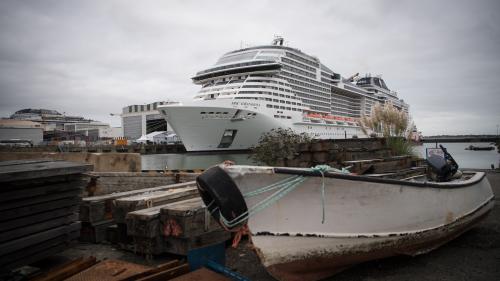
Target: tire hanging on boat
[{"x": 218, "y": 190}]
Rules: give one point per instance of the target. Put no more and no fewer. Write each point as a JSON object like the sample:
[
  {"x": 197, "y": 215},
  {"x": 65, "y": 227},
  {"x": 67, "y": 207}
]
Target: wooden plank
[
  {"x": 70, "y": 192},
  {"x": 40, "y": 170},
  {"x": 187, "y": 219},
  {"x": 33, "y": 189},
  {"x": 67, "y": 270},
  {"x": 159, "y": 268},
  {"x": 37, "y": 227},
  {"x": 146, "y": 222},
  {"x": 37, "y": 217},
  {"x": 167, "y": 274},
  {"x": 98, "y": 208},
  {"x": 124, "y": 205},
  {"x": 38, "y": 251},
  {"x": 38, "y": 208},
  {"x": 27, "y": 241},
  {"x": 95, "y": 233},
  {"x": 109, "y": 270},
  {"x": 37, "y": 256}
]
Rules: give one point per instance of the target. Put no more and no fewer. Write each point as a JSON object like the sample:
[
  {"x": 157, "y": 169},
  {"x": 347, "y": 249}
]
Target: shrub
[
  {"x": 393, "y": 124},
  {"x": 278, "y": 144}
]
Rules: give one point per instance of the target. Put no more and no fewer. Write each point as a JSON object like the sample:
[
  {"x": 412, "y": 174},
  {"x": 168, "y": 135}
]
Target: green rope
[
  {"x": 283, "y": 188},
  {"x": 270, "y": 187},
  {"x": 322, "y": 169}
]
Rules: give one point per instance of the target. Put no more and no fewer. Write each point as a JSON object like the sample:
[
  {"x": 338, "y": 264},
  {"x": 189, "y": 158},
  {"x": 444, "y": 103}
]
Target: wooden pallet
[{"x": 38, "y": 203}]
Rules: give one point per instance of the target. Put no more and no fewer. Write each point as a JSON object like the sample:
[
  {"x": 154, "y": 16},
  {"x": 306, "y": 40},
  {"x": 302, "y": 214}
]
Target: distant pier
[{"x": 460, "y": 139}]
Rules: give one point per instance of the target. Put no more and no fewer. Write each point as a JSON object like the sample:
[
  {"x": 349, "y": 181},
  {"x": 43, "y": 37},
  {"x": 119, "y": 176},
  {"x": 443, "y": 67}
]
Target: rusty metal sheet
[{"x": 109, "y": 270}]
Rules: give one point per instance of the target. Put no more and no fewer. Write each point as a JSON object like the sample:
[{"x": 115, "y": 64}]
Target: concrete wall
[
  {"x": 33, "y": 134},
  {"x": 103, "y": 162}
]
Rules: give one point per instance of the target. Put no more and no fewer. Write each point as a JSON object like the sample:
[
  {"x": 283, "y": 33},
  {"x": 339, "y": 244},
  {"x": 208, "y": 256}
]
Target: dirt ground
[{"x": 473, "y": 256}]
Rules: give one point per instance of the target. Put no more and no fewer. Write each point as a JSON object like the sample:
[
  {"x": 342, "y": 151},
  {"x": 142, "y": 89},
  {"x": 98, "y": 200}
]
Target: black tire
[{"x": 216, "y": 185}]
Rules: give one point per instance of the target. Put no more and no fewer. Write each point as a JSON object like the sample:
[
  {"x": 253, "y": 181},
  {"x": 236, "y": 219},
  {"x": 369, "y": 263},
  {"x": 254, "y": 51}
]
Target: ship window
[
  {"x": 276, "y": 106},
  {"x": 203, "y": 112},
  {"x": 288, "y": 117},
  {"x": 226, "y": 112},
  {"x": 276, "y": 116},
  {"x": 217, "y": 113},
  {"x": 210, "y": 113}
]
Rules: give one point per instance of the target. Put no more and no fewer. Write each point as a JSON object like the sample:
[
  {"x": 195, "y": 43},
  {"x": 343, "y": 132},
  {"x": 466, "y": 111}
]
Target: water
[
  {"x": 192, "y": 161},
  {"x": 466, "y": 158}
]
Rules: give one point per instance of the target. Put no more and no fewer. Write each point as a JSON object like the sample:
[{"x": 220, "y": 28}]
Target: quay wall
[{"x": 103, "y": 162}]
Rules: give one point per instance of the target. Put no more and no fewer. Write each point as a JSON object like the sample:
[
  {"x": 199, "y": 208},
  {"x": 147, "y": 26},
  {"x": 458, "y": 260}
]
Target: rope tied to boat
[
  {"x": 323, "y": 169},
  {"x": 280, "y": 188}
]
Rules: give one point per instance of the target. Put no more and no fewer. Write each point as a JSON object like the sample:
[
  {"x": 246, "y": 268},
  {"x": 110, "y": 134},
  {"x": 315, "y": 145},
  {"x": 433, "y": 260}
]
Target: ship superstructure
[{"x": 250, "y": 91}]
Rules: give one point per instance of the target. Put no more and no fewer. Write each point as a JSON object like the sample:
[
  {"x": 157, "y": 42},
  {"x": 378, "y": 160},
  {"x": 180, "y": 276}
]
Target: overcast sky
[{"x": 92, "y": 58}]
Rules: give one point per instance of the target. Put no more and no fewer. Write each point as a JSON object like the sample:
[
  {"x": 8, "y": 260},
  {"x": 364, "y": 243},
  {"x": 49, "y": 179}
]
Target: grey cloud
[{"x": 94, "y": 57}]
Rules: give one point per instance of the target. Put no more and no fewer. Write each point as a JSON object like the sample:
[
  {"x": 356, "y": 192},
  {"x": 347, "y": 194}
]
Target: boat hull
[
  {"x": 364, "y": 218},
  {"x": 316, "y": 258}
]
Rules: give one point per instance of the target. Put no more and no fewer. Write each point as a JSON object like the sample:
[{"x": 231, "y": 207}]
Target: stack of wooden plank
[
  {"x": 174, "y": 228},
  {"x": 38, "y": 204},
  {"x": 98, "y": 213}
]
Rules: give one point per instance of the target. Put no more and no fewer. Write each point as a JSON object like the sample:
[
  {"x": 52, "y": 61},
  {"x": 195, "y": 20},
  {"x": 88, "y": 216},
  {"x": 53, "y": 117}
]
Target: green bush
[{"x": 278, "y": 144}]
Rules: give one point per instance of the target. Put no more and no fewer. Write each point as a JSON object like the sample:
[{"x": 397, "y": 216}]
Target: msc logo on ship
[{"x": 245, "y": 103}]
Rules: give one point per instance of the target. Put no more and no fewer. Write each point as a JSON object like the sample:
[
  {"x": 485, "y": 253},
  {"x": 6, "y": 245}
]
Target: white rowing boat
[{"x": 307, "y": 224}]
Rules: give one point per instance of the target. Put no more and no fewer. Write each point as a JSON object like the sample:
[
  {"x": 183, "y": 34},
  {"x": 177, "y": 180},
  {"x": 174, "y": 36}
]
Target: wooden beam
[{"x": 167, "y": 274}]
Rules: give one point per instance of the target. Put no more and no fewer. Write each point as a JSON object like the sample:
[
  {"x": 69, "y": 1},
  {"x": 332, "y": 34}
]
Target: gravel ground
[{"x": 473, "y": 256}]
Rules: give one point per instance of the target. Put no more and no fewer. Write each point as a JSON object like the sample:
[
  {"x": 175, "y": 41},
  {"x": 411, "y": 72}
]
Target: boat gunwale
[{"x": 294, "y": 171}]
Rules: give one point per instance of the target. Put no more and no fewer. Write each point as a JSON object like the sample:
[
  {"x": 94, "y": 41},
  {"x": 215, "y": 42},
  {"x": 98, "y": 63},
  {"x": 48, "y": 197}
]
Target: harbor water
[
  {"x": 474, "y": 159},
  {"x": 192, "y": 161}
]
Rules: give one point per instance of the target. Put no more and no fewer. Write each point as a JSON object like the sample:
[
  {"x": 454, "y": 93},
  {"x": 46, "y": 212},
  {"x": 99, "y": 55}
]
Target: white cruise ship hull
[{"x": 201, "y": 125}]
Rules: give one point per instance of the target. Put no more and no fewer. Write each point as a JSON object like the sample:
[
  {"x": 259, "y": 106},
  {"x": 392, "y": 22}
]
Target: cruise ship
[{"x": 250, "y": 91}]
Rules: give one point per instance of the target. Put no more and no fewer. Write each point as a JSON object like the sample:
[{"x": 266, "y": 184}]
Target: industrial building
[
  {"x": 61, "y": 127},
  {"x": 139, "y": 120},
  {"x": 50, "y": 119},
  {"x": 21, "y": 130},
  {"x": 94, "y": 130}
]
